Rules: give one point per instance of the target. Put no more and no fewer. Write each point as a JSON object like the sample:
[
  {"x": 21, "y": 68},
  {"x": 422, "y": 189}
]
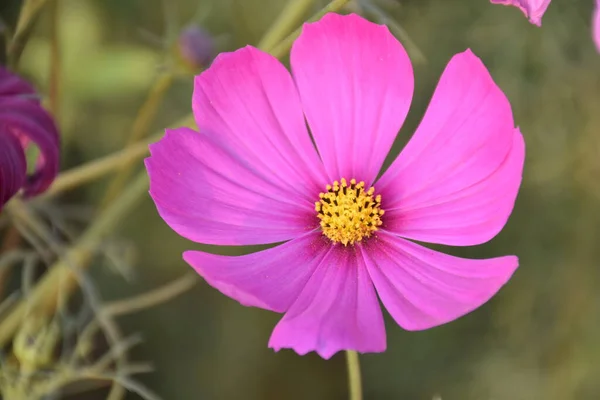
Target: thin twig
[
  {"x": 66, "y": 284},
  {"x": 115, "y": 352},
  {"x": 47, "y": 290},
  {"x": 151, "y": 298}
]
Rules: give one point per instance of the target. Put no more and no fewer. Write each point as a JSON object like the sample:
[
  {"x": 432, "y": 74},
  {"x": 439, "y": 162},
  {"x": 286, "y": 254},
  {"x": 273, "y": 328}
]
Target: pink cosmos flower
[
  {"x": 533, "y": 9},
  {"x": 253, "y": 176},
  {"x": 23, "y": 120}
]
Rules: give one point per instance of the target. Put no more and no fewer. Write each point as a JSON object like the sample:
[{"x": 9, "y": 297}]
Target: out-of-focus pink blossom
[{"x": 533, "y": 9}]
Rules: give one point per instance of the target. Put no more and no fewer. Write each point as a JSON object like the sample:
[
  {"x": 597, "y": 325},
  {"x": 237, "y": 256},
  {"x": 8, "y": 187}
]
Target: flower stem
[
  {"x": 354, "y": 380},
  {"x": 285, "y": 22},
  {"x": 140, "y": 128},
  {"x": 284, "y": 46},
  {"x": 98, "y": 168},
  {"x": 27, "y": 16},
  {"x": 152, "y": 298}
]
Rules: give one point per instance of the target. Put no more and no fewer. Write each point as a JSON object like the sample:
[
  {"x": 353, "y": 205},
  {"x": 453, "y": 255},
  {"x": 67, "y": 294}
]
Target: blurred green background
[{"x": 539, "y": 338}]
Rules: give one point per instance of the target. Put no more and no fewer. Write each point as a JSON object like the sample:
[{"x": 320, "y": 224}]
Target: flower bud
[
  {"x": 195, "y": 47},
  {"x": 35, "y": 343}
]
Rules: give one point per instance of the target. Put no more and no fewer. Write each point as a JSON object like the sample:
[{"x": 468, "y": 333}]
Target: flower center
[{"x": 348, "y": 213}]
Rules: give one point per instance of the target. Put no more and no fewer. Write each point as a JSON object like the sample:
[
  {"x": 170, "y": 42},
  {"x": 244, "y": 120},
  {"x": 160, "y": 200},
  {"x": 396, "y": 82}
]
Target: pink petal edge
[
  {"x": 422, "y": 288},
  {"x": 356, "y": 83},
  {"x": 456, "y": 180},
  {"x": 270, "y": 279}
]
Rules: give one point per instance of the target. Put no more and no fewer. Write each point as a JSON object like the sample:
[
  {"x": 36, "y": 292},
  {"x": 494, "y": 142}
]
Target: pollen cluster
[{"x": 348, "y": 213}]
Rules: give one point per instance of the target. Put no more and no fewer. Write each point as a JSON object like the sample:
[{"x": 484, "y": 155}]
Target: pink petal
[
  {"x": 269, "y": 279},
  {"x": 533, "y": 9},
  {"x": 356, "y": 84},
  {"x": 207, "y": 194},
  {"x": 247, "y": 101},
  {"x": 596, "y": 25},
  {"x": 422, "y": 288},
  {"x": 337, "y": 310},
  {"x": 457, "y": 179},
  {"x": 13, "y": 166}
]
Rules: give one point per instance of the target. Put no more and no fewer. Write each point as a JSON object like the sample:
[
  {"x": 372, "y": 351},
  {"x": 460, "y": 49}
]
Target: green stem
[
  {"x": 288, "y": 19},
  {"x": 284, "y": 46},
  {"x": 28, "y": 15},
  {"x": 153, "y": 297},
  {"x": 98, "y": 168},
  {"x": 354, "y": 380}
]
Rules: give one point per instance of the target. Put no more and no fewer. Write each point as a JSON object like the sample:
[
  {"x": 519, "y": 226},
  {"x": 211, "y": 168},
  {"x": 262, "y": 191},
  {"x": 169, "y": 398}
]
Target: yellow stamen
[{"x": 348, "y": 213}]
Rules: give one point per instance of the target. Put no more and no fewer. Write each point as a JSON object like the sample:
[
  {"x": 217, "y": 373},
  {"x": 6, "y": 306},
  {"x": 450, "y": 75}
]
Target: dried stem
[
  {"x": 152, "y": 298},
  {"x": 61, "y": 274}
]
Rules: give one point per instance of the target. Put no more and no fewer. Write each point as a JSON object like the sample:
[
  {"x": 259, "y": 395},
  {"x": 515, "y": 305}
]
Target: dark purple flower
[{"x": 22, "y": 121}]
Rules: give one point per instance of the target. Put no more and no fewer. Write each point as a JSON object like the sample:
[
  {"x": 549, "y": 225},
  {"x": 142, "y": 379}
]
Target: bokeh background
[{"x": 539, "y": 338}]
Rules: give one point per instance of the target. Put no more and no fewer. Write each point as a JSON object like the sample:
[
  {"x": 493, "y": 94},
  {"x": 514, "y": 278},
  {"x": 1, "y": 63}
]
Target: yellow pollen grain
[{"x": 348, "y": 213}]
